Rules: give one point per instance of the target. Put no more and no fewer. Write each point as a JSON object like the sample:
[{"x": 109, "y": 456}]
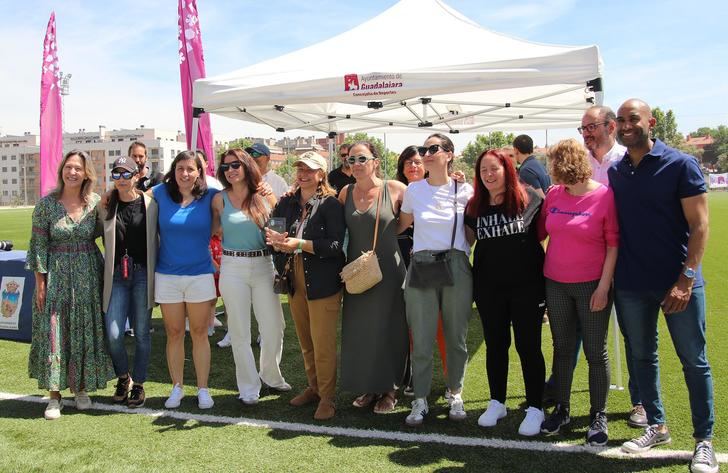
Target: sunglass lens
[
  {"x": 433, "y": 149},
  {"x": 421, "y": 150}
]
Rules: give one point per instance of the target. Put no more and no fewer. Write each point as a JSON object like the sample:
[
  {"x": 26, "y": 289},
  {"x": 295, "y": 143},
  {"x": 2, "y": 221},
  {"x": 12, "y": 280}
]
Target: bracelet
[{"x": 299, "y": 249}]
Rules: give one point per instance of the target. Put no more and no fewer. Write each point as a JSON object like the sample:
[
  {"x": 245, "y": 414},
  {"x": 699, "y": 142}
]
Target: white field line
[{"x": 531, "y": 445}]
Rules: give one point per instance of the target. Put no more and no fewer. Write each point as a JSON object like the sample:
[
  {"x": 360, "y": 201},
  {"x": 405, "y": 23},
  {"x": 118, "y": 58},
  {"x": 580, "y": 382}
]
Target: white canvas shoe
[{"x": 495, "y": 412}]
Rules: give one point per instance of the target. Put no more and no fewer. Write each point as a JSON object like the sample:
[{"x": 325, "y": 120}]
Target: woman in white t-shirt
[{"x": 436, "y": 205}]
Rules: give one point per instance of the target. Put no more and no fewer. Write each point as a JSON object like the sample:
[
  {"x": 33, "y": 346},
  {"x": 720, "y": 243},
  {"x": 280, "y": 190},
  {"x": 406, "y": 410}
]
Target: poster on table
[
  {"x": 12, "y": 301},
  {"x": 718, "y": 181}
]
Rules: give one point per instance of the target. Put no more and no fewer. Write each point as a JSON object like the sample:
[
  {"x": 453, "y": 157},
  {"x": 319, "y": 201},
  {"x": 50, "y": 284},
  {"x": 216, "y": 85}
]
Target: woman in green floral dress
[{"x": 68, "y": 350}]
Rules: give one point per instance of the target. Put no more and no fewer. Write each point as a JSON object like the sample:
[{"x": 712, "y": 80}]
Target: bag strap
[
  {"x": 376, "y": 224},
  {"x": 455, "y": 207}
]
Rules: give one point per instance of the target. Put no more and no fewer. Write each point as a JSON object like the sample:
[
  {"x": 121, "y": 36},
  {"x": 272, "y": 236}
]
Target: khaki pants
[{"x": 316, "y": 322}]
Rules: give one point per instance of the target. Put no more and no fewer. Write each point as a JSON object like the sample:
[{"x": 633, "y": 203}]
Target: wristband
[{"x": 299, "y": 249}]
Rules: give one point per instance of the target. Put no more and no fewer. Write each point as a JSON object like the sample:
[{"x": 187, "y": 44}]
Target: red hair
[{"x": 515, "y": 198}]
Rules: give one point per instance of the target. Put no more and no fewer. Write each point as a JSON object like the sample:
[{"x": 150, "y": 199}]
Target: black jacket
[{"x": 325, "y": 227}]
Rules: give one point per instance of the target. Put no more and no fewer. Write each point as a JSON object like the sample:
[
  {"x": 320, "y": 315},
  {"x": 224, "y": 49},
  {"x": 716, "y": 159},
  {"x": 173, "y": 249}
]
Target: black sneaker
[
  {"x": 136, "y": 397},
  {"x": 704, "y": 460},
  {"x": 559, "y": 417},
  {"x": 122, "y": 390},
  {"x": 598, "y": 433}
]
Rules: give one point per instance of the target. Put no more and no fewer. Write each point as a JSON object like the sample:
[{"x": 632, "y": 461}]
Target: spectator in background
[
  {"x": 341, "y": 176},
  {"x": 210, "y": 179},
  {"x": 510, "y": 154},
  {"x": 148, "y": 178},
  {"x": 531, "y": 171},
  {"x": 261, "y": 155}
]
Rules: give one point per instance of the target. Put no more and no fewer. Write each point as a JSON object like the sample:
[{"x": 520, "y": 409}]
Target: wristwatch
[{"x": 689, "y": 272}]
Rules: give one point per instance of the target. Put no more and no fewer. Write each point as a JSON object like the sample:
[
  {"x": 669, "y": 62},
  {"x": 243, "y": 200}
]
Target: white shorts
[{"x": 171, "y": 288}]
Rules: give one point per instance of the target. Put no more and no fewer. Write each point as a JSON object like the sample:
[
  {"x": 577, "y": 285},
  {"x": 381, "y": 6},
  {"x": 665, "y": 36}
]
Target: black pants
[{"x": 522, "y": 306}]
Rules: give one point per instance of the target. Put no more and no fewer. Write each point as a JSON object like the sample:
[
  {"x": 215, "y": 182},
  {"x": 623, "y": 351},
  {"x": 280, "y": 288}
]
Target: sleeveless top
[{"x": 239, "y": 231}]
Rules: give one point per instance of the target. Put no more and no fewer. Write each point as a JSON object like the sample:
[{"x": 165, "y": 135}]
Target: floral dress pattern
[{"x": 68, "y": 346}]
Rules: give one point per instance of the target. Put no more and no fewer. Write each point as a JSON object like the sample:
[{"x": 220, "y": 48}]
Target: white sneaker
[
  {"x": 249, "y": 400},
  {"x": 419, "y": 410},
  {"x": 457, "y": 409},
  {"x": 216, "y": 323},
  {"x": 83, "y": 402},
  {"x": 531, "y": 424},
  {"x": 496, "y": 411},
  {"x": 175, "y": 397},
  {"x": 225, "y": 342},
  {"x": 204, "y": 400},
  {"x": 53, "y": 409}
]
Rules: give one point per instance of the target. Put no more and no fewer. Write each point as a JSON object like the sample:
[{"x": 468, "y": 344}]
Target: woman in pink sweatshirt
[{"x": 580, "y": 219}]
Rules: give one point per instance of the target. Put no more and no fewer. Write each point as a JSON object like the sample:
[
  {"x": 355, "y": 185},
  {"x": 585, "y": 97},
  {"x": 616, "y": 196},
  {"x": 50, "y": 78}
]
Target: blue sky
[{"x": 123, "y": 56}]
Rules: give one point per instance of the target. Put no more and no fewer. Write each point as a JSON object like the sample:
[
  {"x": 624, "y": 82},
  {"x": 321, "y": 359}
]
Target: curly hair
[{"x": 568, "y": 162}]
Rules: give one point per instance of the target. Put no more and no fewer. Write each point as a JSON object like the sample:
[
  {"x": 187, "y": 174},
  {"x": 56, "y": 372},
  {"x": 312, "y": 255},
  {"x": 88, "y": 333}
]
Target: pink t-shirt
[{"x": 580, "y": 228}]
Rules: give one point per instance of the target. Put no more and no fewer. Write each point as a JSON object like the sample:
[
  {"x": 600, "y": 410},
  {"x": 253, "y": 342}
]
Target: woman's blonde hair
[
  {"x": 569, "y": 163},
  {"x": 88, "y": 183}
]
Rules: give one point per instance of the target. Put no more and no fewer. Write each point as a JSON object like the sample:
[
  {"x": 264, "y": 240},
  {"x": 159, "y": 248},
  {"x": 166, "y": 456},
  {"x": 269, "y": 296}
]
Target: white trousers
[{"x": 244, "y": 281}]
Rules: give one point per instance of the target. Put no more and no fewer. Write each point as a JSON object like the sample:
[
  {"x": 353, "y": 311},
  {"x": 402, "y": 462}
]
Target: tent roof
[{"x": 418, "y": 65}]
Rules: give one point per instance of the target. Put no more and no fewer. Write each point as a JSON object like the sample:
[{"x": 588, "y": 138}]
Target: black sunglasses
[
  {"x": 254, "y": 154},
  {"x": 432, "y": 149},
  {"x": 361, "y": 159},
  {"x": 118, "y": 175},
  {"x": 590, "y": 127},
  {"x": 226, "y": 166}
]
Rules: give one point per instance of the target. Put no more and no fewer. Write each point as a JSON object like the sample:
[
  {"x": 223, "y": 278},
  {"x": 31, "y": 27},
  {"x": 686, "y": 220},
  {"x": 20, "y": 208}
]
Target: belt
[{"x": 247, "y": 254}]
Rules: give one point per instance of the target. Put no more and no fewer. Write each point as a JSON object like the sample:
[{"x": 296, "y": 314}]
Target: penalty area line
[{"x": 406, "y": 437}]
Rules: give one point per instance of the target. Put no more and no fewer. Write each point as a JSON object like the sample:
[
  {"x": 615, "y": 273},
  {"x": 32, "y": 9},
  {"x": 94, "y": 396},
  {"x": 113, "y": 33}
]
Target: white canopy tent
[{"x": 420, "y": 65}]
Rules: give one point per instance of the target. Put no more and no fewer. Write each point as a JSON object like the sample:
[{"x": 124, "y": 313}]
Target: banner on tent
[
  {"x": 372, "y": 84},
  {"x": 718, "y": 181}
]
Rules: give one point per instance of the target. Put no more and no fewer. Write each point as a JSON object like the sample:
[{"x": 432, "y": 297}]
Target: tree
[
  {"x": 666, "y": 127},
  {"x": 286, "y": 170},
  {"x": 719, "y": 147},
  {"x": 496, "y": 139},
  {"x": 241, "y": 143},
  {"x": 722, "y": 163}
]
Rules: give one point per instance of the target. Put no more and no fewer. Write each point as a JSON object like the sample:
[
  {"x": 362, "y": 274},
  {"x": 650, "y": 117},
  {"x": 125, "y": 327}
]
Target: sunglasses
[
  {"x": 343, "y": 155},
  {"x": 226, "y": 166},
  {"x": 361, "y": 159},
  {"x": 255, "y": 154},
  {"x": 118, "y": 175},
  {"x": 590, "y": 127},
  {"x": 432, "y": 149}
]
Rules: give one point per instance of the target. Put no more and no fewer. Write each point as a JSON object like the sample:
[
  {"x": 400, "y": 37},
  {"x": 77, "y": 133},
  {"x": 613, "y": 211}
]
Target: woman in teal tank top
[{"x": 246, "y": 275}]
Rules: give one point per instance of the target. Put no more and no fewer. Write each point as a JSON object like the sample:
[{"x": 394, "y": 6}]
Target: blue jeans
[
  {"x": 639, "y": 312},
  {"x": 129, "y": 298}
]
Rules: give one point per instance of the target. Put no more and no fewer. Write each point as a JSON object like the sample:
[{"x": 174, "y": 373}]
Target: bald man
[{"x": 662, "y": 206}]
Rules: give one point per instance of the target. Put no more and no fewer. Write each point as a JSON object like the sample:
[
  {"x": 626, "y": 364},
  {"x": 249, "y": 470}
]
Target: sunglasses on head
[
  {"x": 226, "y": 166},
  {"x": 254, "y": 154},
  {"x": 432, "y": 149},
  {"x": 115, "y": 175},
  {"x": 361, "y": 159}
]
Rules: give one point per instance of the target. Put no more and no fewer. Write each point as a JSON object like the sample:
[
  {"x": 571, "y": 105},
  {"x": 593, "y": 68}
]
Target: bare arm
[
  {"x": 396, "y": 191},
  {"x": 404, "y": 222},
  {"x": 217, "y": 208},
  {"x": 695, "y": 209},
  {"x": 469, "y": 235},
  {"x": 600, "y": 296},
  {"x": 342, "y": 194}
]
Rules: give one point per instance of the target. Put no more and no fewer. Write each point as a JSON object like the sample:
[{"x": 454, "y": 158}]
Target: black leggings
[{"x": 523, "y": 307}]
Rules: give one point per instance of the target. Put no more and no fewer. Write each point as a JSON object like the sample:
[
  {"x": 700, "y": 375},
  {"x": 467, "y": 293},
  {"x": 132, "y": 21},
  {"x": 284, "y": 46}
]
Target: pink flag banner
[
  {"x": 51, "y": 132},
  {"x": 191, "y": 68}
]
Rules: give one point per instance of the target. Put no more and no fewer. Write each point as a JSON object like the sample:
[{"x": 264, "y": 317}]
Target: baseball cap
[
  {"x": 125, "y": 163},
  {"x": 312, "y": 160},
  {"x": 259, "y": 149}
]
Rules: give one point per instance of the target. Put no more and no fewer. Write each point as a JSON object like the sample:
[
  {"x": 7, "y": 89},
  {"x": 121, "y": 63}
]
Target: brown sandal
[
  {"x": 365, "y": 400},
  {"x": 386, "y": 404}
]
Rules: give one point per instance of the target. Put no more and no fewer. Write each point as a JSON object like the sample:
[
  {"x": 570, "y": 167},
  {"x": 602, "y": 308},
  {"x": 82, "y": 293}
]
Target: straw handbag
[{"x": 364, "y": 273}]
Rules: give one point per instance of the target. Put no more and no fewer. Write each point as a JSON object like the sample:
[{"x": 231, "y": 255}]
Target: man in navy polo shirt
[
  {"x": 531, "y": 171},
  {"x": 662, "y": 205}
]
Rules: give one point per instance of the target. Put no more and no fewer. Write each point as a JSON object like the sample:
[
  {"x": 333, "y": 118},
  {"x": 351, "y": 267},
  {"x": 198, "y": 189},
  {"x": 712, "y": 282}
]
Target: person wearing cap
[
  {"x": 310, "y": 254},
  {"x": 261, "y": 155},
  {"x": 246, "y": 275},
  {"x": 341, "y": 176},
  {"x": 130, "y": 247}
]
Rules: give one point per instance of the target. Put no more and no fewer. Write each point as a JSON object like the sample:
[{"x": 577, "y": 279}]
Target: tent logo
[{"x": 351, "y": 82}]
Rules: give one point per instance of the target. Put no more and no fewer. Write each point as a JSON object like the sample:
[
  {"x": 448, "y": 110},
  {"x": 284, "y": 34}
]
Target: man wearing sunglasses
[
  {"x": 599, "y": 130},
  {"x": 531, "y": 171},
  {"x": 341, "y": 176},
  {"x": 147, "y": 178},
  {"x": 261, "y": 155}
]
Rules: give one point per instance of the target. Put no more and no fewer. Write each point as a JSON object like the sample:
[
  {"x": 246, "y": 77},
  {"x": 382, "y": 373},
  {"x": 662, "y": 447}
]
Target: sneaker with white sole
[
  {"x": 204, "y": 400},
  {"x": 496, "y": 411},
  {"x": 83, "y": 402},
  {"x": 531, "y": 424},
  {"x": 216, "y": 323},
  {"x": 637, "y": 417},
  {"x": 598, "y": 433},
  {"x": 651, "y": 438},
  {"x": 419, "y": 411},
  {"x": 558, "y": 418},
  {"x": 53, "y": 409},
  {"x": 225, "y": 342},
  {"x": 175, "y": 397},
  {"x": 249, "y": 400},
  {"x": 457, "y": 408},
  {"x": 704, "y": 460}
]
